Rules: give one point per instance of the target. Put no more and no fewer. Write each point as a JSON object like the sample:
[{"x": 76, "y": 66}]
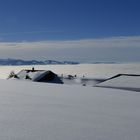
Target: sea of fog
[{"x": 88, "y": 70}]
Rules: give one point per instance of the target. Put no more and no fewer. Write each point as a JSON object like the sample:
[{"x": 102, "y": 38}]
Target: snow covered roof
[
  {"x": 38, "y": 76},
  {"x": 123, "y": 81}
]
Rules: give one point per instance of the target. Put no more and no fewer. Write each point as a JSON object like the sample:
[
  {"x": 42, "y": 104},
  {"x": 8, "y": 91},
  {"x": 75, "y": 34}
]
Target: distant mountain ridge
[{"x": 34, "y": 62}]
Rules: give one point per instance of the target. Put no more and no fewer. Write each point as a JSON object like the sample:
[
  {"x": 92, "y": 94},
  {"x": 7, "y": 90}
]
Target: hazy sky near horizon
[{"x": 78, "y": 30}]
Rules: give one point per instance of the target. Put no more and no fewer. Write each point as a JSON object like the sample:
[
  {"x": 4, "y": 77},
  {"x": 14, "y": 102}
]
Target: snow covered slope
[{"x": 40, "y": 111}]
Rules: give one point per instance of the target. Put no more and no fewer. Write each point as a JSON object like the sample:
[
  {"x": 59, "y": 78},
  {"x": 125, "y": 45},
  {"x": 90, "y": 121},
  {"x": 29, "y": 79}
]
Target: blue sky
[{"x": 35, "y": 21}]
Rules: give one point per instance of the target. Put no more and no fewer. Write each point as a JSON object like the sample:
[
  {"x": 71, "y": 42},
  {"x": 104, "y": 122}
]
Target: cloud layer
[{"x": 101, "y": 49}]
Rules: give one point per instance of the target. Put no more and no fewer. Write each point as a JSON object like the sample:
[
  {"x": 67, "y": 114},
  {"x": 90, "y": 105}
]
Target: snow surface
[
  {"x": 123, "y": 82},
  {"x": 40, "y": 111}
]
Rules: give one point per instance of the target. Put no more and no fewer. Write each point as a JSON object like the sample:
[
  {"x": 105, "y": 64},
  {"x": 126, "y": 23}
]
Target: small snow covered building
[
  {"x": 122, "y": 81},
  {"x": 38, "y": 76}
]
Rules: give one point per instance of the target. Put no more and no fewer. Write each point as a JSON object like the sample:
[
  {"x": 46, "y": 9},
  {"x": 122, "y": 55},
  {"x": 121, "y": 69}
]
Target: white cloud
[
  {"x": 101, "y": 42},
  {"x": 111, "y": 48}
]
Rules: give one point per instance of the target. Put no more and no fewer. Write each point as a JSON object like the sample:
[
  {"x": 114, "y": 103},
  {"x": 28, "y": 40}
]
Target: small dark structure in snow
[
  {"x": 122, "y": 81},
  {"x": 38, "y": 76},
  {"x": 118, "y": 75}
]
